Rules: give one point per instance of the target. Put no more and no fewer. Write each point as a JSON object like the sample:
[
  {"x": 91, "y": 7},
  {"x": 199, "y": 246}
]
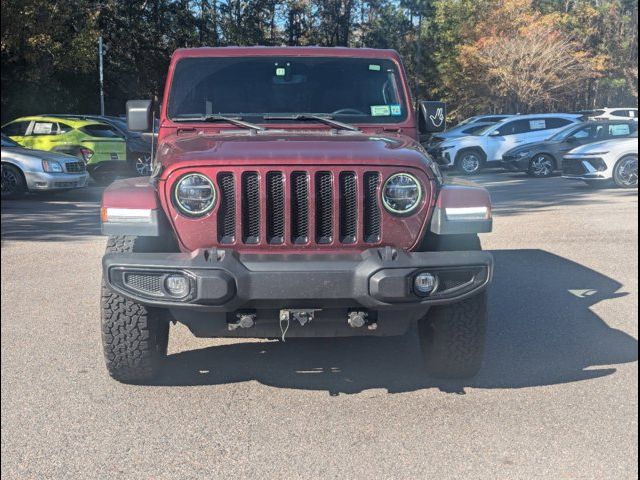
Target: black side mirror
[
  {"x": 572, "y": 139},
  {"x": 139, "y": 115},
  {"x": 432, "y": 116}
]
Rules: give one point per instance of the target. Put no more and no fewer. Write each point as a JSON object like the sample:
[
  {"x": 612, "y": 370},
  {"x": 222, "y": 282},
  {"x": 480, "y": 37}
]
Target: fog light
[
  {"x": 425, "y": 283},
  {"x": 177, "y": 285}
]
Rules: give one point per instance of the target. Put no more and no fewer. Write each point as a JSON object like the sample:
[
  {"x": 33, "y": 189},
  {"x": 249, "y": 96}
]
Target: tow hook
[
  {"x": 357, "y": 319},
  {"x": 243, "y": 320}
]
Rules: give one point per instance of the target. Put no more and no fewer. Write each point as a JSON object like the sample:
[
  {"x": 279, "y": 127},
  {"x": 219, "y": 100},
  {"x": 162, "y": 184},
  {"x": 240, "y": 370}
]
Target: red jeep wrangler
[{"x": 290, "y": 197}]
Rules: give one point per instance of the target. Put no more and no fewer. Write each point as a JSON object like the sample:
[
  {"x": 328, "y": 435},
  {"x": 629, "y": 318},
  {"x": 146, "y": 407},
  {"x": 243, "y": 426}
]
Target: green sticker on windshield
[
  {"x": 281, "y": 72},
  {"x": 380, "y": 110},
  {"x": 375, "y": 68}
]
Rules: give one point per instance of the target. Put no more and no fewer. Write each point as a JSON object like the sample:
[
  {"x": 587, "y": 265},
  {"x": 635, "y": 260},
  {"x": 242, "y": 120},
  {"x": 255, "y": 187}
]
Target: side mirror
[
  {"x": 139, "y": 115},
  {"x": 495, "y": 133},
  {"x": 432, "y": 116}
]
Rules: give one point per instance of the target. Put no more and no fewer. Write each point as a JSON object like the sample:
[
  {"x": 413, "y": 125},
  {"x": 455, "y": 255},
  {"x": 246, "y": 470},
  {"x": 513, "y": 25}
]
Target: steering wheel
[{"x": 348, "y": 111}]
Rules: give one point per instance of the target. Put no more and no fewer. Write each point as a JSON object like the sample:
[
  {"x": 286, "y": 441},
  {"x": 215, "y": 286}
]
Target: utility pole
[{"x": 100, "y": 55}]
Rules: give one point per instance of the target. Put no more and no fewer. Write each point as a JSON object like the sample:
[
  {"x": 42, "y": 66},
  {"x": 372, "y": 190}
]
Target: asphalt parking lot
[{"x": 557, "y": 398}]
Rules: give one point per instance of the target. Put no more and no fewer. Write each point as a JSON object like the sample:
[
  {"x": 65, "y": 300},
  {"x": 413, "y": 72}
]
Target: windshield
[
  {"x": 7, "y": 142},
  {"x": 563, "y": 134},
  {"x": 481, "y": 131},
  {"x": 351, "y": 89}
]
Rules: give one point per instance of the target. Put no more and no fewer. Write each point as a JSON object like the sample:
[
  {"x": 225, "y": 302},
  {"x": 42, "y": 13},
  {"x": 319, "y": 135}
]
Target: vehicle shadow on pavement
[
  {"x": 514, "y": 194},
  {"x": 541, "y": 332},
  {"x": 52, "y": 217}
]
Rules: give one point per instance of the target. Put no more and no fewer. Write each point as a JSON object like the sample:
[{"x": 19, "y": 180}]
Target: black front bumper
[
  {"x": 224, "y": 281},
  {"x": 516, "y": 164}
]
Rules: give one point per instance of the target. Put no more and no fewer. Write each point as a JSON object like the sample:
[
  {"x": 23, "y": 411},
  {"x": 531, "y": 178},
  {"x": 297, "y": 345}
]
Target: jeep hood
[{"x": 282, "y": 148}]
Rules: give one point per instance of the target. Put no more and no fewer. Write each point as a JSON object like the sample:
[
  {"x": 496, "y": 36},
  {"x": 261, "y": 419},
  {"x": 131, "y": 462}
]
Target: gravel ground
[{"x": 557, "y": 398}]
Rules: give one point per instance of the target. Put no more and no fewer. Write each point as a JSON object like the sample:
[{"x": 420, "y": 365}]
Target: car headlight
[
  {"x": 401, "y": 193},
  {"x": 523, "y": 154},
  {"x": 194, "y": 195},
  {"x": 51, "y": 166}
]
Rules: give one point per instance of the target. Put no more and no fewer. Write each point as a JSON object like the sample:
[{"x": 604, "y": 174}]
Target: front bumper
[
  {"x": 225, "y": 281},
  {"x": 585, "y": 168},
  {"x": 516, "y": 164},
  {"x": 42, "y": 181}
]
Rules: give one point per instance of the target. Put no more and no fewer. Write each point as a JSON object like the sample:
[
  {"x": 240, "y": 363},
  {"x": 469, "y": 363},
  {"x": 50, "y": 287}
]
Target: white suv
[
  {"x": 615, "y": 114},
  {"x": 471, "y": 153}
]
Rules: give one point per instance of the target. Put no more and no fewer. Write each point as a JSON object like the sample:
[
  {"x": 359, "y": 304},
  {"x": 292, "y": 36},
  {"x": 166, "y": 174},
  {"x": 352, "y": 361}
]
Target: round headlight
[
  {"x": 194, "y": 195},
  {"x": 402, "y": 193}
]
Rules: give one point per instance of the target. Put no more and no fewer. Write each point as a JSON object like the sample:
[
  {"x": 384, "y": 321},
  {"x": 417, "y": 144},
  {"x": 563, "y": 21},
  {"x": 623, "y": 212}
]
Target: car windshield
[
  {"x": 7, "y": 142},
  {"x": 349, "y": 89},
  {"x": 482, "y": 130},
  {"x": 563, "y": 134}
]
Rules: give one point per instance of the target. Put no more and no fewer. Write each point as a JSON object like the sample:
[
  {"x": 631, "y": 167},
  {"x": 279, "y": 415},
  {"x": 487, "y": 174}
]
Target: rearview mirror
[
  {"x": 432, "y": 116},
  {"x": 139, "y": 115}
]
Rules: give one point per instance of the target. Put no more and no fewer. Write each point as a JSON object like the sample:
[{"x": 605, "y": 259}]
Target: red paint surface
[{"x": 131, "y": 193}]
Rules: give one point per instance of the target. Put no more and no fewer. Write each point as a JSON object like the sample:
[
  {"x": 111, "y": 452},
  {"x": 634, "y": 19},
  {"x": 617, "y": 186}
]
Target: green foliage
[{"x": 49, "y": 49}]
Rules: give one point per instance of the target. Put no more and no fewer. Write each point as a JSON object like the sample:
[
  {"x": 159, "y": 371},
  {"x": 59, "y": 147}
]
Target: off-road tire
[
  {"x": 134, "y": 337},
  {"x": 452, "y": 338}
]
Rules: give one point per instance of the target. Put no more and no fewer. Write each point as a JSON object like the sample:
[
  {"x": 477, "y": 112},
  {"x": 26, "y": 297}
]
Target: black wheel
[
  {"x": 141, "y": 164},
  {"x": 13, "y": 183},
  {"x": 542, "y": 166},
  {"x": 625, "y": 173},
  {"x": 470, "y": 161},
  {"x": 134, "y": 337},
  {"x": 452, "y": 338}
]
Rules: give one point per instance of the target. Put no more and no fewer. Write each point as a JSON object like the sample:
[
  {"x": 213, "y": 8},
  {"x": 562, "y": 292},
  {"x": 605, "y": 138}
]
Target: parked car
[
  {"x": 26, "y": 170},
  {"x": 465, "y": 130},
  {"x": 100, "y": 145},
  {"x": 603, "y": 162},
  {"x": 542, "y": 159},
  {"x": 472, "y": 153},
  {"x": 615, "y": 114},
  {"x": 138, "y": 146},
  {"x": 285, "y": 223}
]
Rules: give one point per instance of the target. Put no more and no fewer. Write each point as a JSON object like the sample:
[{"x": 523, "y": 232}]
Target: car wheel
[
  {"x": 141, "y": 166},
  {"x": 542, "y": 166},
  {"x": 625, "y": 174},
  {"x": 470, "y": 162},
  {"x": 13, "y": 183},
  {"x": 134, "y": 337},
  {"x": 452, "y": 338}
]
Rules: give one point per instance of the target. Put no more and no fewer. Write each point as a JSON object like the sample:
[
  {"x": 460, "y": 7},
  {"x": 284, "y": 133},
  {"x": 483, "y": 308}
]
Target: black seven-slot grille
[{"x": 298, "y": 207}]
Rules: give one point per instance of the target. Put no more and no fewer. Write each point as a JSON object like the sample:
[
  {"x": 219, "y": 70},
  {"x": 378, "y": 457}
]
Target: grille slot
[
  {"x": 324, "y": 208},
  {"x": 348, "y": 207},
  {"x": 75, "y": 167},
  {"x": 299, "y": 208},
  {"x": 227, "y": 211},
  {"x": 250, "y": 208},
  {"x": 371, "y": 208},
  {"x": 275, "y": 208}
]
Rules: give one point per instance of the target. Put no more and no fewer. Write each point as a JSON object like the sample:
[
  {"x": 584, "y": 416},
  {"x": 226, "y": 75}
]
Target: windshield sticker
[
  {"x": 281, "y": 72},
  {"x": 375, "y": 68},
  {"x": 380, "y": 110},
  {"x": 537, "y": 124},
  {"x": 396, "y": 111},
  {"x": 42, "y": 128}
]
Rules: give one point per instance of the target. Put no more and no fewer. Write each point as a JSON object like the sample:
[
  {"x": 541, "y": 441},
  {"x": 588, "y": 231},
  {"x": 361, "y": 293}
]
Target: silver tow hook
[
  {"x": 243, "y": 320},
  {"x": 357, "y": 319}
]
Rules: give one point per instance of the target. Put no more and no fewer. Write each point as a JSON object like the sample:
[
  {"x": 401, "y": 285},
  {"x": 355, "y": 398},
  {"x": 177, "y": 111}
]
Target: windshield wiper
[
  {"x": 309, "y": 117},
  {"x": 237, "y": 121}
]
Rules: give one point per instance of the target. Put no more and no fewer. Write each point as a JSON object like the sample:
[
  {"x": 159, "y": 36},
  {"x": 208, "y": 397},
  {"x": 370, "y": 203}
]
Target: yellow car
[{"x": 100, "y": 145}]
